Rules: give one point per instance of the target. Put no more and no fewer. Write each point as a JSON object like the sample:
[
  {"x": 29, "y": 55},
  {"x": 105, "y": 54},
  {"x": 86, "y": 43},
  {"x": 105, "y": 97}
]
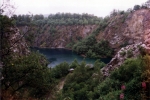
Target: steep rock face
[
  {"x": 60, "y": 36},
  {"x": 18, "y": 44},
  {"x": 135, "y": 32},
  {"x": 146, "y": 21},
  {"x": 127, "y": 30},
  {"x": 130, "y": 51}
]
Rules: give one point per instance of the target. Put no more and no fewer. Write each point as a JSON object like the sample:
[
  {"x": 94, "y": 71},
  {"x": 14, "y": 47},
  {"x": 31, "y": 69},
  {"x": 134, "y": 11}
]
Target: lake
[{"x": 59, "y": 55}]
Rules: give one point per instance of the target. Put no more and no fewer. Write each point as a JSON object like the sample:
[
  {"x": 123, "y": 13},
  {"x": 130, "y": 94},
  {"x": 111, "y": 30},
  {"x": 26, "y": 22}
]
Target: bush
[
  {"x": 130, "y": 73},
  {"x": 60, "y": 70},
  {"x": 91, "y": 48},
  {"x": 28, "y": 73},
  {"x": 80, "y": 84},
  {"x": 129, "y": 53},
  {"x": 74, "y": 64}
]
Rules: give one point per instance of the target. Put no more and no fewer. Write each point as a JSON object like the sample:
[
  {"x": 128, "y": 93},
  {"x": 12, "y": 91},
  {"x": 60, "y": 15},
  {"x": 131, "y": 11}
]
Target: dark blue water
[{"x": 57, "y": 56}]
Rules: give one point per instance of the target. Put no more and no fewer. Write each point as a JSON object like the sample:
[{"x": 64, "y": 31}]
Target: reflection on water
[
  {"x": 52, "y": 59},
  {"x": 57, "y": 56}
]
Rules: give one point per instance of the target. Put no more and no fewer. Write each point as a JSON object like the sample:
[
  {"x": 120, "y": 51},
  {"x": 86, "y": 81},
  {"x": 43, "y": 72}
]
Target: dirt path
[
  {"x": 61, "y": 84},
  {"x": 59, "y": 87}
]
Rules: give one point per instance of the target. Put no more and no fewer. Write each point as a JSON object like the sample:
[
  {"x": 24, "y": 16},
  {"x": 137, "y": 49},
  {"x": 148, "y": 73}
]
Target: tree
[
  {"x": 136, "y": 7},
  {"x": 38, "y": 17},
  {"x": 60, "y": 70},
  {"x": 74, "y": 64},
  {"x": 146, "y": 73},
  {"x": 5, "y": 32},
  {"x": 26, "y": 73},
  {"x": 114, "y": 13}
]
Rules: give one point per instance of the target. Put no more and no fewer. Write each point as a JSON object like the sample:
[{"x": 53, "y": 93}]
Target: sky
[{"x": 100, "y": 8}]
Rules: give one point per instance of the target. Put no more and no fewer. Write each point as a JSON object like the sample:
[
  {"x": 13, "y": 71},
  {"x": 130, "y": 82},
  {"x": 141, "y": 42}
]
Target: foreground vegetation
[
  {"x": 89, "y": 84},
  {"x": 29, "y": 77},
  {"x": 26, "y": 78}
]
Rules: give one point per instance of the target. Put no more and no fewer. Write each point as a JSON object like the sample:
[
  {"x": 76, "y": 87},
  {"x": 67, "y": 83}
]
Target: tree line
[{"x": 57, "y": 19}]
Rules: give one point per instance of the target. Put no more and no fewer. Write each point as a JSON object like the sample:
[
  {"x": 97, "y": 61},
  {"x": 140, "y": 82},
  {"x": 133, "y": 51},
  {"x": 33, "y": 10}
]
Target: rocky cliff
[
  {"x": 58, "y": 36},
  {"x": 126, "y": 30},
  {"x": 121, "y": 30},
  {"x": 18, "y": 45},
  {"x": 130, "y": 51},
  {"x": 134, "y": 32}
]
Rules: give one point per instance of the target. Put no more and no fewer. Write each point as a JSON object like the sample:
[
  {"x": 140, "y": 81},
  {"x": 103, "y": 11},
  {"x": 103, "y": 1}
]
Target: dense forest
[
  {"x": 56, "y": 19},
  {"x": 25, "y": 75}
]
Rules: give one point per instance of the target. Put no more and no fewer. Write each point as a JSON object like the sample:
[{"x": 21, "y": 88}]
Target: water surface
[{"x": 57, "y": 56}]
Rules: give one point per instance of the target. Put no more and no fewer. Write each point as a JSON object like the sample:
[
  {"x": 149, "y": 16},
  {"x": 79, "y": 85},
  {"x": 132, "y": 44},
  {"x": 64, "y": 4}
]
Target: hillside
[
  {"x": 125, "y": 30},
  {"x": 59, "y": 36},
  {"x": 57, "y": 31},
  {"x": 124, "y": 35},
  {"x": 120, "y": 28}
]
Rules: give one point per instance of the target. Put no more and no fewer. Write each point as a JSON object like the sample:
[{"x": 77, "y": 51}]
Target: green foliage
[
  {"x": 130, "y": 69},
  {"x": 52, "y": 30},
  {"x": 125, "y": 15},
  {"x": 114, "y": 95},
  {"x": 5, "y": 32},
  {"x": 91, "y": 48},
  {"x": 123, "y": 53},
  {"x": 30, "y": 37},
  {"x": 70, "y": 45},
  {"x": 60, "y": 70},
  {"x": 85, "y": 83},
  {"x": 129, "y": 53},
  {"x": 107, "y": 86},
  {"x": 130, "y": 73},
  {"x": 28, "y": 73},
  {"x": 146, "y": 74},
  {"x": 102, "y": 48},
  {"x": 57, "y": 19},
  {"x": 30, "y": 77},
  {"x": 136, "y": 7},
  {"x": 74, "y": 64},
  {"x": 22, "y": 20},
  {"x": 99, "y": 64},
  {"x": 81, "y": 84}
]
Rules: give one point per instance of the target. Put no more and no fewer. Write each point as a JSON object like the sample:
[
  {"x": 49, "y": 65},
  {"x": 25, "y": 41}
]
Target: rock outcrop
[
  {"x": 18, "y": 44},
  {"x": 134, "y": 33},
  {"x": 58, "y": 36},
  {"x": 126, "y": 30},
  {"x": 130, "y": 51}
]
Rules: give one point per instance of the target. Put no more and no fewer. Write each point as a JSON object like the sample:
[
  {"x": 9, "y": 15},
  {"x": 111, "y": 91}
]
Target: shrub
[
  {"x": 129, "y": 53},
  {"x": 26, "y": 73},
  {"x": 123, "y": 53},
  {"x": 60, "y": 70}
]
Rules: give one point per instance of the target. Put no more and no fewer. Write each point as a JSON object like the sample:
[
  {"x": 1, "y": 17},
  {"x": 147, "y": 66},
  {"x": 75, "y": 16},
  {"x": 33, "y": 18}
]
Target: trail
[
  {"x": 61, "y": 84},
  {"x": 59, "y": 87}
]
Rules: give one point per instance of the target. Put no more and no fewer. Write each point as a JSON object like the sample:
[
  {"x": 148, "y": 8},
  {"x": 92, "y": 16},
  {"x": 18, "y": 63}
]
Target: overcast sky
[{"x": 99, "y": 8}]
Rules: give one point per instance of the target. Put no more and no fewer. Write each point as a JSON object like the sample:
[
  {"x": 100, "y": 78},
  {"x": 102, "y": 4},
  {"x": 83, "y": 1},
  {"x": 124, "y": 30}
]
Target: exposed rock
[
  {"x": 18, "y": 44},
  {"x": 89, "y": 65},
  {"x": 62, "y": 36},
  {"x": 134, "y": 29},
  {"x": 129, "y": 51}
]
